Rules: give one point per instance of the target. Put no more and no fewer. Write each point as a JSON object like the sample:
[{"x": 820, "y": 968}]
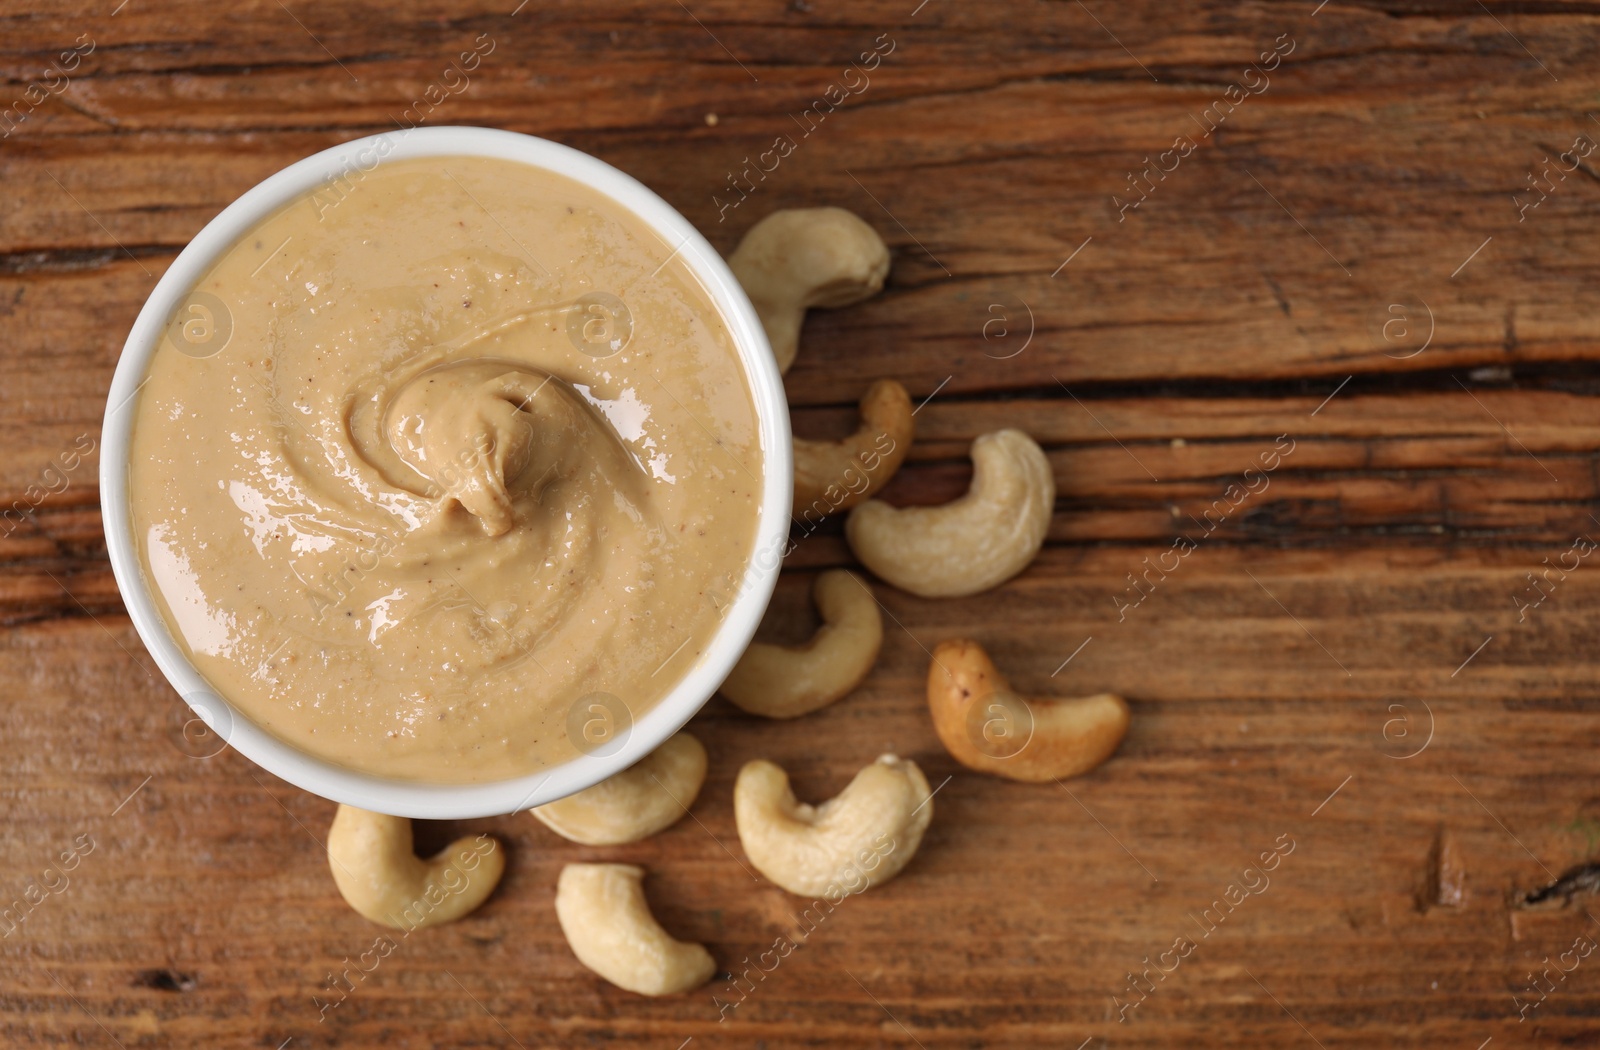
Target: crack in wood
[
  {"x": 1582, "y": 879},
  {"x": 166, "y": 980},
  {"x": 76, "y": 260}
]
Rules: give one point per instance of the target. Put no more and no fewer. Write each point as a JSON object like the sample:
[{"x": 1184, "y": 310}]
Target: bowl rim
[{"x": 216, "y": 717}]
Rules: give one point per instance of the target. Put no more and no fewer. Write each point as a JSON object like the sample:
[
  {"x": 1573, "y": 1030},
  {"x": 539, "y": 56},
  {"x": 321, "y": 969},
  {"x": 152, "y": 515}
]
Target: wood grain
[{"x": 1351, "y": 661}]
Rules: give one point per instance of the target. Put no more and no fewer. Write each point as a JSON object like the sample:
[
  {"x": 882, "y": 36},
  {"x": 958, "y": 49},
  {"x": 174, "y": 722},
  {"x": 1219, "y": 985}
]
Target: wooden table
[{"x": 1346, "y": 258}]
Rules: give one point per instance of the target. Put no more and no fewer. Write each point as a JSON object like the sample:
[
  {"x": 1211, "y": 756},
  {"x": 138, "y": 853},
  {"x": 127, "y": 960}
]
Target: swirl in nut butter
[{"x": 469, "y": 452}]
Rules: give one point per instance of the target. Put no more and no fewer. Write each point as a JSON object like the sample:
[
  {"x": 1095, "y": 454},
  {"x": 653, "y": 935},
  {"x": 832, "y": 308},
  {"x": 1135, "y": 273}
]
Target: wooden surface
[{"x": 1341, "y": 663}]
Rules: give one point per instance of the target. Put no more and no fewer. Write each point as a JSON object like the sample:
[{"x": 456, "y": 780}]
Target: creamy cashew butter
[{"x": 446, "y": 471}]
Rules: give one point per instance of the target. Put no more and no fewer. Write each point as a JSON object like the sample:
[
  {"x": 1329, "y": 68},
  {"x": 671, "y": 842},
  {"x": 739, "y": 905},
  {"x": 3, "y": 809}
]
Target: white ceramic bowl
[{"x": 215, "y": 717}]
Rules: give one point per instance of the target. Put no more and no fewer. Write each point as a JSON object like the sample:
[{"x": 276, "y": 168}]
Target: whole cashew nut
[
  {"x": 804, "y": 257},
  {"x": 972, "y": 544},
  {"x": 608, "y": 924},
  {"x": 378, "y": 875},
  {"x": 647, "y": 797},
  {"x": 859, "y": 839},
  {"x": 831, "y": 476},
  {"x": 780, "y": 681},
  {"x": 987, "y": 727}
]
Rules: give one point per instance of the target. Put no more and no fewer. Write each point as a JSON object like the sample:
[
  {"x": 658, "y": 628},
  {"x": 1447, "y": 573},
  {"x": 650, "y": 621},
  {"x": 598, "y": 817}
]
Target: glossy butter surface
[{"x": 446, "y": 471}]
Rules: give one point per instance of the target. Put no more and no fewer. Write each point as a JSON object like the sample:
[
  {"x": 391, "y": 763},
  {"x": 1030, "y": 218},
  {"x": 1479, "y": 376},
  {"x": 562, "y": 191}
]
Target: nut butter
[{"x": 440, "y": 458}]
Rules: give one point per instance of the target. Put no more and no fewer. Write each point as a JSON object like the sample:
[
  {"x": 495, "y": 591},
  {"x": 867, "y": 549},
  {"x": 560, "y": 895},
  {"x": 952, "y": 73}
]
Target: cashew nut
[
  {"x": 859, "y": 839},
  {"x": 647, "y": 797},
  {"x": 987, "y": 727},
  {"x": 378, "y": 875},
  {"x": 780, "y": 681},
  {"x": 803, "y": 257},
  {"x": 831, "y": 476},
  {"x": 978, "y": 541},
  {"x": 607, "y": 922}
]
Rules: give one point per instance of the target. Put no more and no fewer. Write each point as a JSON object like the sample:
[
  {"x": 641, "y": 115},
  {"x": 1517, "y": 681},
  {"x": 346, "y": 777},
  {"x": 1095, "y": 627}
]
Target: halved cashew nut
[
  {"x": 648, "y": 796},
  {"x": 780, "y": 681},
  {"x": 859, "y": 839},
  {"x": 608, "y": 924},
  {"x": 977, "y": 542},
  {"x": 804, "y": 257},
  {"x": 831, "y": 476},
  {"x": 378, "y": 875},
  {"x": 987, "y": 727}
]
